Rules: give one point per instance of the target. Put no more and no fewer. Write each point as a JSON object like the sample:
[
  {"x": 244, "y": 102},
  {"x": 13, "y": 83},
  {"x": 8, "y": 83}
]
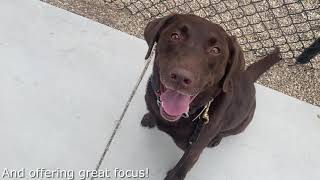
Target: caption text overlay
[{"x": 44, "y": 173}]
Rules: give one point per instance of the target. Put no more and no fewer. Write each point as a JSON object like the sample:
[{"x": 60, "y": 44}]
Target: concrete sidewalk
[{"x": 65, "y": 82}]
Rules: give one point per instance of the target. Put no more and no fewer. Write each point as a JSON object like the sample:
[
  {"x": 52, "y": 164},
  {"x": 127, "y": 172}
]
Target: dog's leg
[
  {"x": 187, "y": 161},
  {"x": 190, "y": 156},
  {"x": 148, "y": 120}
]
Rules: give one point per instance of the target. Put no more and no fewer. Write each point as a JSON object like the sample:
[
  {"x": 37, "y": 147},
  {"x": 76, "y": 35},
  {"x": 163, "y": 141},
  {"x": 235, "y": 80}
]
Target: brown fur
[{"x": 222, "y": 76}]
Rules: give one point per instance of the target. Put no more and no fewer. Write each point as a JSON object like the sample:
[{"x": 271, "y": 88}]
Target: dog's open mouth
[{"x": 174, "y": 104}]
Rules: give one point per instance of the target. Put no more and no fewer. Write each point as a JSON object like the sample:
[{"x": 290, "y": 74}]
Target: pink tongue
[{"x": 174, "y": 103}]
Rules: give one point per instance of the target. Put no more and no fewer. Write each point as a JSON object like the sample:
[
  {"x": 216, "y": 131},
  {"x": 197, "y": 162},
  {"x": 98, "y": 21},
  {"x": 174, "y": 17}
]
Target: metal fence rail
[{"x": 259, "y": 25}]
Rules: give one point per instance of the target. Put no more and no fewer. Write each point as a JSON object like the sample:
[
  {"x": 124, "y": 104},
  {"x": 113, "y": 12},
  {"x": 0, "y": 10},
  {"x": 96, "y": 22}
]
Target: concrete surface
[
  {"x": 61, "y": 87},
  {"x": 282, "y": 142},
  {"x": 65, "y": 81}
]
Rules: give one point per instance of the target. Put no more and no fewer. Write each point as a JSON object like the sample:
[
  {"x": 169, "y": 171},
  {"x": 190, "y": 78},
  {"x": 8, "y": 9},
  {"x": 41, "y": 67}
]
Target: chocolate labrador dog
[{"x": 199, "y": 91}]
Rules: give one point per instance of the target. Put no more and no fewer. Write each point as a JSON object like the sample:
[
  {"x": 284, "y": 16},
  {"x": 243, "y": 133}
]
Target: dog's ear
[
  {"x": 153, "y": 30},
  {"x": 235, "y": 63}
]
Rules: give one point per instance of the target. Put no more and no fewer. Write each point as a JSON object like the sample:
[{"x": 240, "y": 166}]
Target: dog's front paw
[
  {"x": 173, "y": 175},
  {"x": 148, "y": 121}
]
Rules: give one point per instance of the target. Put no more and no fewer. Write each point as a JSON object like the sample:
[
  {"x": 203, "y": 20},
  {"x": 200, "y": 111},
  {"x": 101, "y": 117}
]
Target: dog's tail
[{"x": 258, "y": 68}]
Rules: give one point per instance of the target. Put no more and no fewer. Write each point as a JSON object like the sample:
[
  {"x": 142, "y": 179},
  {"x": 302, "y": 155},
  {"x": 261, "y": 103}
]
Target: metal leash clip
[{"x": 205, "y": 115}]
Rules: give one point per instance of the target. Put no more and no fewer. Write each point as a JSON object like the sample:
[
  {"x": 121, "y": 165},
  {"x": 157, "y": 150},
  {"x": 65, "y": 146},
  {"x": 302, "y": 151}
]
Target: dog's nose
[{"x": 182, "y": 76}]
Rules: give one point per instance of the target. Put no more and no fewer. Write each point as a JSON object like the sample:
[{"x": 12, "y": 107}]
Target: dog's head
[{"x": 192, "y": 55}]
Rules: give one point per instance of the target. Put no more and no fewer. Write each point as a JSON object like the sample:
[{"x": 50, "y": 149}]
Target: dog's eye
[
  {"x": 214, "y": 50},
  {"x": 175, "y": 36}
]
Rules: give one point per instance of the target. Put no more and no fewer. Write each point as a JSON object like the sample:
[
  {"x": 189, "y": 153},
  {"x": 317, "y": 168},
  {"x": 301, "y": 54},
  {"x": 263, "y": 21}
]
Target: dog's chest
[{"x": 180, "y": 131}]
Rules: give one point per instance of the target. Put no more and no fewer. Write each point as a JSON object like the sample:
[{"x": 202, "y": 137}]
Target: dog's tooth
[
  {"x": 159, "y": 102},
  {"x": 185, "y": 115}
]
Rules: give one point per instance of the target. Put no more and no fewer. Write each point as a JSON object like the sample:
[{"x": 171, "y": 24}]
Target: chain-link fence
[{"x": 259, "y": 25}]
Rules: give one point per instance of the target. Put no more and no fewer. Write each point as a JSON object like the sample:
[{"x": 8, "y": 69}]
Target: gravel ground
[{"x": 299, "y": 81}]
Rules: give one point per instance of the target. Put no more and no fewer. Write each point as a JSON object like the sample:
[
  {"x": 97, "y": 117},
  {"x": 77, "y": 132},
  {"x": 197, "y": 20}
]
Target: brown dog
[{"x": 199, "y": 91}]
